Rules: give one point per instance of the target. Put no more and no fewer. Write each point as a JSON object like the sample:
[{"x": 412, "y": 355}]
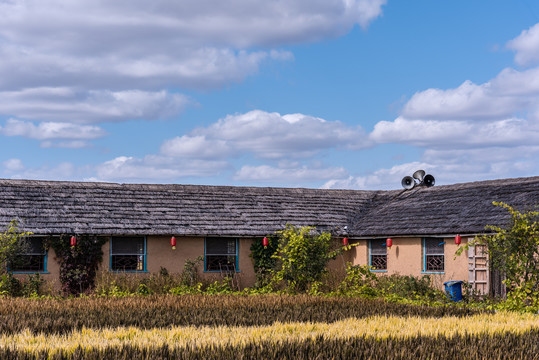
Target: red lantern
[
  {"x": 265, "y": 242},
  {"x": 73, "y": 241},
  {"x": 345, "y": 241},
  {"x": 389, "y": 242},
  {"x": 458, "y": 239},
  {"x": 173, "y": 242}
]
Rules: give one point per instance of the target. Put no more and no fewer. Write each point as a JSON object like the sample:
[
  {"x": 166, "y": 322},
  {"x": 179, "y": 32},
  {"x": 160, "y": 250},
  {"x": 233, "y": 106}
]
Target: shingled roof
[
  {"x": 51, "y": 207},
  {"x": 461, "y": 208}
]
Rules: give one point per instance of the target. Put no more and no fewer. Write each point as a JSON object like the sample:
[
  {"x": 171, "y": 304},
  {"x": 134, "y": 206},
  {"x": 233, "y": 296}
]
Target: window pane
[
  {"x": 220, "y": 254},
  {"x": 127, "y": 262},
  {"x": 127, "y": 245},
  {"x": 434, "y": 246},
  {"x": 35, "y": 245},
  {"x": 220, "y": 263},
  {"x": 378, "y": 254},
  {"x": 220, "y": 246},
  {"x": 378, "y": 247},
  {"x": 29, "y": 263}
]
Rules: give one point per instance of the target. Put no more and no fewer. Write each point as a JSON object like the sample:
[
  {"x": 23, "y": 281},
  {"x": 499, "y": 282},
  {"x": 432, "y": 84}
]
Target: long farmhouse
[{"x": 221, "y": 222}]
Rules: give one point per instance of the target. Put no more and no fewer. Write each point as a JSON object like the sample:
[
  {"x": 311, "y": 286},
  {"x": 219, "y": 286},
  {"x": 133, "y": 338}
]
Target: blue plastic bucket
[{"x": 453, "y": 290}]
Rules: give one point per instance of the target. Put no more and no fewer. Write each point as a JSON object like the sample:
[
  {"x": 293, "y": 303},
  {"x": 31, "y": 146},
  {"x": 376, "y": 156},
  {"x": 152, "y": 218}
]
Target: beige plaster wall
[
  {"x": 406, "y": 258},
  {"x": 160, "y": 254}
]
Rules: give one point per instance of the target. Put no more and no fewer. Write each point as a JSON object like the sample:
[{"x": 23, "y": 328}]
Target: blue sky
[{"x": 300, "y": 93}]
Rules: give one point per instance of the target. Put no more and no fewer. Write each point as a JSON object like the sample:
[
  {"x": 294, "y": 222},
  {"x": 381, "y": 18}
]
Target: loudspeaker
[
  {"x": 408, "y": 182},
  {"x": 428, "y": 180},
  {"x": 419, "y": 175}
]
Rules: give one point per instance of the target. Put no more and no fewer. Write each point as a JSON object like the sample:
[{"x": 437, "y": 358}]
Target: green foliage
[
  {"x": 11, "y": 286},
  {"x": 410, "y": 287},
  {"x": 302, "y": 255},
  {"x": 189, "y": 274},
  {"x": 524, "y": 298},
  {"x": 78, "y": 264},
  {"x": 359, "y": 281},
  {"x": 514, "y": 250},
  {"x": 263, "y": 260},
  {"x": 12, "y": 244}
]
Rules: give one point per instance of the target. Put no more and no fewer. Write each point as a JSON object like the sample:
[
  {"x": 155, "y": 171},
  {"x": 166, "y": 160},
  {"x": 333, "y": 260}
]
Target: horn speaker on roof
[
  {"x": 419, "y": 175},
  {"x": 408, "y": 182},
  {"x": 418, "y": 178},
  {"x": 428, "y": 180}
]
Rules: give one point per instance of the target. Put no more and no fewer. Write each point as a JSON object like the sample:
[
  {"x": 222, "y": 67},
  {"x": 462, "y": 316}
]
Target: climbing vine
[
  {"x": 263, "y": 260},
  {"x": 78, "y": 264}
]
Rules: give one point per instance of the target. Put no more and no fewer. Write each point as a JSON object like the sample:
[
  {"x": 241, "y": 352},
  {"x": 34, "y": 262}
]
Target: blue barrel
[{"x": 453, "y": 289}]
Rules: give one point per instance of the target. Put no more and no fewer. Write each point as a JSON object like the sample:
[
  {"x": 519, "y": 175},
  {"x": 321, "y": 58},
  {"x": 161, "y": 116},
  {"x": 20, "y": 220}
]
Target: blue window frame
[
  {"x": 34, "y": 260},
  {"x": 378, "y": 254},
  {"x": 433, "y": 255},
  {"x": 128, "y": 253},
  {"x": 220, "y": 254}
]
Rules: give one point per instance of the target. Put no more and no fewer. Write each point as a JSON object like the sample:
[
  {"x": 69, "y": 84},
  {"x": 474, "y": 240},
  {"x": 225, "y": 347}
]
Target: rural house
[{"x": 221, "y": 222}]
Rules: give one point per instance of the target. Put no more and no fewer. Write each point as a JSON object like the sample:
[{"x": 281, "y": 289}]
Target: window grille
[
  {"x": 378, "y": 254},
  {"x": 221, "y": 254},
  {"x": 128, "y": 253},
  {"x": 434, "y": 254}
]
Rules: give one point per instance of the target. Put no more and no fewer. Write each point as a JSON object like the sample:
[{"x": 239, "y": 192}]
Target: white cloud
[
  {"x": 379, "y": 179},
  {"x": 91, "y": 62},
  {"x": 468, "y": 101},
  {"x": 526, "y": 46},
  {"x": 300, "y": 174},
  {"x": 15, "y": 169},
  {"x": 197, "y": 43},
  {"x": 51, "y": 130},
  {"x": 266, "y": 135},
  {"x": 155, "y": 168},
  {"x": 13, "y": 165},
  {"x": 79, "y": 106},
  {"x": 456, "y": 134}
]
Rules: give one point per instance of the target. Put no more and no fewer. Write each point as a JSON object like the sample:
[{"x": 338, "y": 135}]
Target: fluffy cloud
[
  {"x": 379, "y": 179},
  {"x": 101, "y": 61},
  {"x": 301, "y": 174},
  {"x": 526, "y": 46},
  {"x": 155, "y": 168},
  {"x": 15, "y": 169},
  {"x": 78, "y": 106},
  {"x": 48, "y": 132},
  {"x": 195, "y": 43},
  {"x": 456, "y": 134},
  {"x": 265, "y": 135}
]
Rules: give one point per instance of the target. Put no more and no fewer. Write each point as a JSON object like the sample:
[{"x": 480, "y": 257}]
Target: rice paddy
[{"x": 378, "y": 330}]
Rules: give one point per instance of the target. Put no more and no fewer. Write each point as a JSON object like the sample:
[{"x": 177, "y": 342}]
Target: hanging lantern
[
  {"x": 345, "y": 241},
  {"x": 265, "y": 242},
  {"x": 173, "y": 242},
  {"x": 389, "y": 242},
  {"x": 458, "y": 239},
  {"x": 73, "y": 241}
]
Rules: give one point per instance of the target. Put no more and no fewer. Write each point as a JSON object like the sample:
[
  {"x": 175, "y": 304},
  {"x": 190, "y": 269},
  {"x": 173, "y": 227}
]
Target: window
[
  {"x": 33, "y": 260},
  {"x": 128, "y": 253},
  {"x": 433, "y": 255},
  {"x": 221, "y": 254},
  {"x": 378, "y": 254}
]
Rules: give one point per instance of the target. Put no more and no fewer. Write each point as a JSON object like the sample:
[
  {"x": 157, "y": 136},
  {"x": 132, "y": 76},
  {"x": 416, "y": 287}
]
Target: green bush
[{"x": 302, "y": 256}]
